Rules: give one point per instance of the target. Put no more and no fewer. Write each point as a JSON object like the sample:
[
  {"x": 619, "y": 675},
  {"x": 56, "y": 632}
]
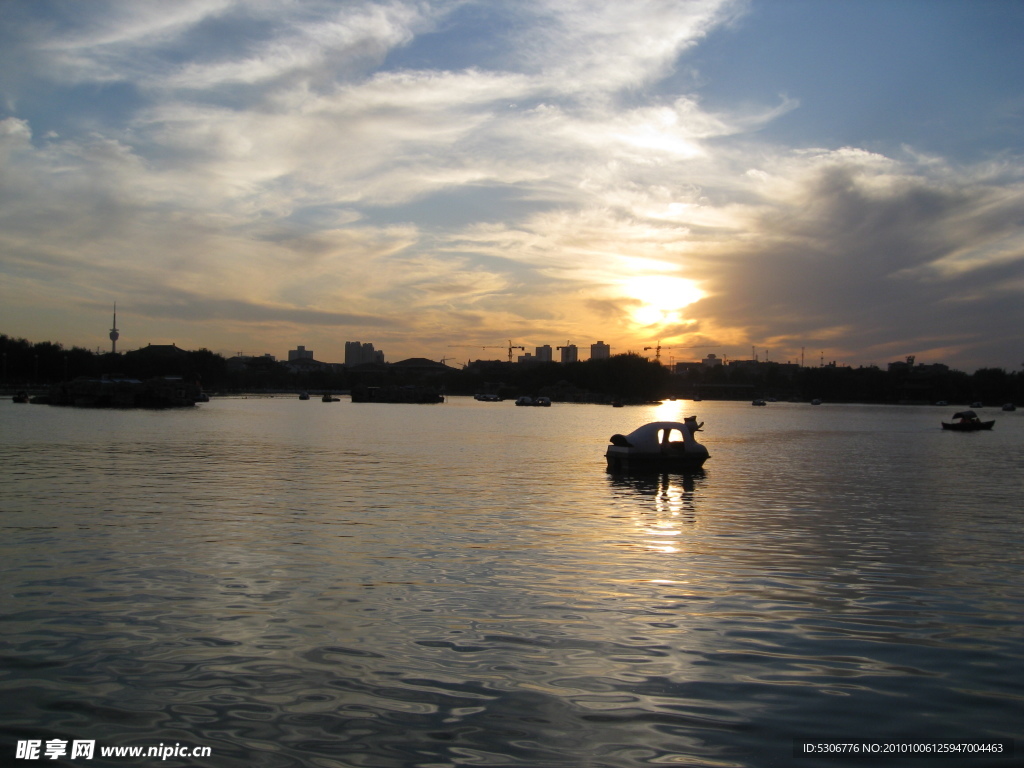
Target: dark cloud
[{"x": 862, "y": 259}]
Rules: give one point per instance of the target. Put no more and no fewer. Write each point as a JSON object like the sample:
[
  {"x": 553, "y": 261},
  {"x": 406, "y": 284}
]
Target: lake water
[{"x": 296, "y": 583}]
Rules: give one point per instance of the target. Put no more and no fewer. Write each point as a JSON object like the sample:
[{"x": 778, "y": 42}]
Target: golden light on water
[
  {"x": 669, "y": 410},
  {"x": 661, "y": 298}
]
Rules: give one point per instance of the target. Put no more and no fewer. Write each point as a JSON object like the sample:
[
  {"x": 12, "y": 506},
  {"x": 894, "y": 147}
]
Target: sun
[{"x": 661, "y": 298}]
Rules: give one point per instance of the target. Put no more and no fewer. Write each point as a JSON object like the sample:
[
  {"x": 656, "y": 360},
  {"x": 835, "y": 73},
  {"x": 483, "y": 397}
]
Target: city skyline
[
  {"x": 719, "y": 175},
  {"x": 602, "y": 349},
  {"x": 358, "y": 353}
]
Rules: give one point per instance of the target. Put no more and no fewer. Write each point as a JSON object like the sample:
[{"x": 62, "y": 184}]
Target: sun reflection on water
[{"x": 666, "y": 508}]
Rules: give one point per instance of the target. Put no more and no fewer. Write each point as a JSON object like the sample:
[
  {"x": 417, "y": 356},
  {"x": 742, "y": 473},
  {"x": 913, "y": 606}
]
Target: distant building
[
  {"x": 908, "y": 366},
  {"x": 158, "y": 358},
  {"x": 570, "y": 353},
  {"x": 686, "y": 366},
  {"x": 307, "y": 364},
  {"x": 543, "y": 354},
  {"x": 162, "y": 349},
  {"x": 420, "y": 365},
  {"x": 711, "y": 361},
  {"x": 600, "y": 351},
  {"x": 300, "y": 354},
  {"x": 357, "y": 353},
  {"x": 242, "y": 362},
  {"x": 747, "y": 365}
]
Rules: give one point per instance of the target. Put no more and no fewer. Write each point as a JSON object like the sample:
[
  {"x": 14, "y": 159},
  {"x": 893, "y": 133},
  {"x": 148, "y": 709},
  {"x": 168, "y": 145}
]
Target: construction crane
[
  {"x": 511, "y": 346},
  {"x": 657, "y": 349}
]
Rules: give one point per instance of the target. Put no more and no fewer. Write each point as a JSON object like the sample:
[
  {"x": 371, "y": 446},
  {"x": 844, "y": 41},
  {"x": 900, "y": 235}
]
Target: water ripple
[{"x": 466, "y": 585}]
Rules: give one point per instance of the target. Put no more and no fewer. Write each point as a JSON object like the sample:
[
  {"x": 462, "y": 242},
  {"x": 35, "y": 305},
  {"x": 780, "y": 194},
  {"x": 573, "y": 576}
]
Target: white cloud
[
  {"x": 589, "y": 49},
  {"x": 315, "y": 51}
]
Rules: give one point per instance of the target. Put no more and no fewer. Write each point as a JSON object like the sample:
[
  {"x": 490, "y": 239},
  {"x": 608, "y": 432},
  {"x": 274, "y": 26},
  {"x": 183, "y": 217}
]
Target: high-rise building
[
  {"x": 600, "y": 351},
  {"x": 543, "y": 354},
  {"x": 570, "y": 353},
  {"x": 300, "y": 354},
  {"x": 357, "y": 353}
]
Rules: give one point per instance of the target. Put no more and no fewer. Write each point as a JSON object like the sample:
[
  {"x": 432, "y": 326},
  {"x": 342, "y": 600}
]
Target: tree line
[{"x": 627, "y": 377}]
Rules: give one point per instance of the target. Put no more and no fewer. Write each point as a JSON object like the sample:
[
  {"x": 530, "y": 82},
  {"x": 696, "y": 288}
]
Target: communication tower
[{"x": 114, "y": 335}]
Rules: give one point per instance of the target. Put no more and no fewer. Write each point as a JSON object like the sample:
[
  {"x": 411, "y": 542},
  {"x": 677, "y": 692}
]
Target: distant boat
[
  {"x": 329, "y": 398},
  {"x": 815, "y": 401},
  {"x": 977, "y": 404},
  {"x": 1009, "y": 407},
  {"x": 542, "y": 402},
  {"x": 21, "y": 397},
  {"x": 396, "y": 394},
  {"x": 304, "y": 396},
  {"x": 759, "y": 402},
  {"x": 159, "y": 392},
  {"x": 967, "y": 421},
  {"x": 487, "y": 398}
]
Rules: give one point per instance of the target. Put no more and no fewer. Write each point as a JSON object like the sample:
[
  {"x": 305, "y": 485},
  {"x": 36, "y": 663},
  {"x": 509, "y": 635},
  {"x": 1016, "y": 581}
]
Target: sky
[{"x": 826, "y": 180}]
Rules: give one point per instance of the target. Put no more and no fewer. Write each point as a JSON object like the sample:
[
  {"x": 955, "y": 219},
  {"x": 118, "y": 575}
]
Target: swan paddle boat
[{"x": 660, "y": 445}]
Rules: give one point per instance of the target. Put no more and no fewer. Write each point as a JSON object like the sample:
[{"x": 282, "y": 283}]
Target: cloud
[
  {"x": 599, "y": 49},
  {"x": 174, "y": 305},
  {"x": 312, "y": 53},
  {"x": 270, "y": 169},
  {"x": 860, "y": 242},
  {"x": 204, "y": 45}
]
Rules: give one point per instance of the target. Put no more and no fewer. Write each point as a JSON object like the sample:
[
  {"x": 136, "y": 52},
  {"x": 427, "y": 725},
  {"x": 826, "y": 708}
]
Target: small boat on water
[
  {"x": 487, "y": 398},
  {"x": 535, "y": 402},
  {"x": 1009, "y": 407},
  {"x": 329, "y": 398},
  {"x": 21, "y": 397},
  {"x": 304, "y": 396},
  {"x": 967, "y": 421},
  {"x": 409, "y": 394},
  {"x": 659, "y": 445},
  {"x": 759, "y": 401}
]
